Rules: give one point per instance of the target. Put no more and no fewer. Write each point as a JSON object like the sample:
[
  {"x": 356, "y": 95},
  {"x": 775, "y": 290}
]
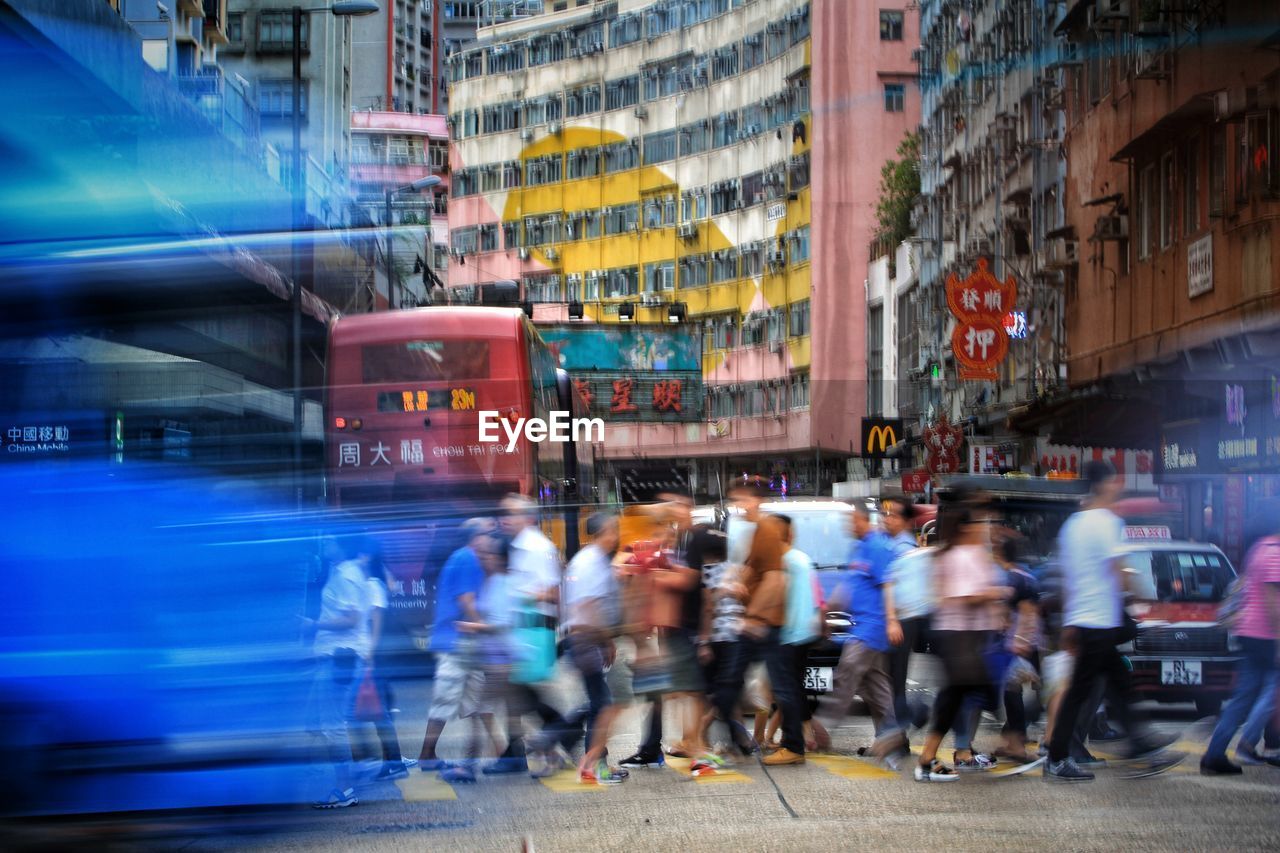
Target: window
[
  {"x": 798, "y": 172},
  {"x": 464, "y": 240},
  {"x": 621, "y": 219},
  {"x": 776, "y": 40},
  {"x": 891, "y": 25},
  {"x": 592, "y": 224},
  {"x": 275, "y": 32},
  {"x": 539, "y": 171},
  {"x": 752, "y": 260},
  {"x": 542, "y": 110},
  {"x": 438, "y": 153},
  {"x": 724, "y": 197},
  {"x": 723, "y": 403},
  {"x": 506, "y": 58},
  {"x": 1191, "y": 188},
  {"x": 490, "y": 178},
  {"x": 724, "y": 62},
  {"x": 723, "y": 336},
  {"x": 799, "y": 390},
  {"x": 465, "y": 182},
  {"x": 489, "y": 237},
  {"x": 623, "y": 93},
  {"x": 588, "y": 38},
  {"x": 895, "y": 95},
  {"x": 724, "y": 130},
  {"x": 235, "y": 28},
  {"x": 625, "y": 29},
  {"x": 724, "y": 265},
  {"x": 620, "y": 156},
  {"x": 752, "y": 51},
  {"x": 753, "y": 330},
  {"x": 659, "y": 277},
  {"x": 798, "y": 318},
  {"x": 546, "y": 49},
  {"x": 275, "y": 98},
  {"x": 511, "y": 235},
  {"x": 693, "y": 205},
  {"x": 660, "y": 147},
  {"x": 1218, "y": 172},
  {"x": 798, "y": 245},
  {"x": 1146, "y": 201},
  {"x": 155, "y": 52},
  {"x": 622, "y": 281},
  {"x": 798, "y": 23},
  {"x": 693, "y": 271},
  {"x": 543, "y": 288},
  {"x": 1259, "y": 151},
  {"x": 695, "y": 138},
  {"x": 583, "y": 163},
  {"x": 591, "y": 285},
  {"x": 583, "y": 100},
  {"x": 1168, "y": 201},
  {"x": 875, "y": 360}
]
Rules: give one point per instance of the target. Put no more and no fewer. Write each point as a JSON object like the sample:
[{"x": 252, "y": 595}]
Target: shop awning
[{"x": 1091, "y": 417}]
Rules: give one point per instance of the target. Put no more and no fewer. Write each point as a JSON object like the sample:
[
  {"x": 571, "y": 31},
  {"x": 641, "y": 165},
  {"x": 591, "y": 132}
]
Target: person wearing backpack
[{"x": 1251, "y": 612}]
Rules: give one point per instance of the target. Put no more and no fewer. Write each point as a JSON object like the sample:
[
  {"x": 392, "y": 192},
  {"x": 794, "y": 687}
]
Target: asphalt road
[{"x": 834, "y": 803}]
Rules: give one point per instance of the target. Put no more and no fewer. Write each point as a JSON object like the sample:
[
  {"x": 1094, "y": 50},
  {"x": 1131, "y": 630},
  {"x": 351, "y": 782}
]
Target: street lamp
[
  {"x": 416, "y": 186},
  {"x": 343, "y": 9}
]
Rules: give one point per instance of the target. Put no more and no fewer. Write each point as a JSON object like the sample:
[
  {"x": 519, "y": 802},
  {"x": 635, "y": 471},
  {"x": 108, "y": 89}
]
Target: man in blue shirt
[
  {"x": 867, "y": 595},
  {"x": 458, "y": 681}
]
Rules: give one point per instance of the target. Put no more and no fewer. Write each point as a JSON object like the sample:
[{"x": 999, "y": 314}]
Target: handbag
[
  {"x": 368, "y": 702},
  {"x": 535, "y": 649}
]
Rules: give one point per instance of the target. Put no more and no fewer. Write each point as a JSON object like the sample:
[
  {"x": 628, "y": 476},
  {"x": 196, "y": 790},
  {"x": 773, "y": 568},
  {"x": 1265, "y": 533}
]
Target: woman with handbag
[{"x": 969, "y": 597}]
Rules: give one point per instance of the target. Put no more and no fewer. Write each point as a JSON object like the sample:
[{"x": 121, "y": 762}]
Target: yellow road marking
[
  {"x": 423, "y": 787},
  {"x": 566, "y": 782},
  {"x": 682, "y": 765},
  {"x": 851, "y": 768}
]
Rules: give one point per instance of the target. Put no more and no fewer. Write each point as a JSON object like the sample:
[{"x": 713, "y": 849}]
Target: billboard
[{"x": 880, "y": 434}]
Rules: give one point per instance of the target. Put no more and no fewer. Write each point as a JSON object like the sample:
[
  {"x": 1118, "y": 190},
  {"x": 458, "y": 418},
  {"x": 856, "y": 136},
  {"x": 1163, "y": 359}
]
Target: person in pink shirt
[{"x": 1258, "y": 673}]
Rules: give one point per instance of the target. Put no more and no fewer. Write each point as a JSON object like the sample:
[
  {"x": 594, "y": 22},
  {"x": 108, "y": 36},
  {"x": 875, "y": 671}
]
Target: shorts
[
  {"x": 457, "y": 689},
  {"x": 681, "y": 658}
]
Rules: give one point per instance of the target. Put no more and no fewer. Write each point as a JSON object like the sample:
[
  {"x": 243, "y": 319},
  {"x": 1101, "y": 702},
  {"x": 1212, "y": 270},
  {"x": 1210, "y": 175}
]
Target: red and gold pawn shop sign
[{"x": 980, "y": 303}]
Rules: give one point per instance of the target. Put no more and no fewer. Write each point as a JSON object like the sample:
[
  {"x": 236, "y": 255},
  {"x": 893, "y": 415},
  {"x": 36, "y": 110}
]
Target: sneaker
[
  {"x": 431, "y": 765},
  {"x": 640, "y": 761},
  {"x": 1066, "y": 770},
  {"x": 935, "y": 771},
  {"x": 979, "y": 762},
  {"x": 459, "y": 774},
  {"x": 337, "y": 800},
  {"x": 1089, "y": 761},
  {"x": 602, "y": 774},
  {"x": 392, "y": 770},
  {"x": 1144, "y": 748},
  {"x": 507, "y": 764},
  {"x": 782, "y": 758},
  {"x": 1219, "y": 767},
  {"x": 537, "y": 765},
  {"x": 409, "y": 762},
  {"x": 707, "y": 764},
  {"x": 1246, "y": 755}
]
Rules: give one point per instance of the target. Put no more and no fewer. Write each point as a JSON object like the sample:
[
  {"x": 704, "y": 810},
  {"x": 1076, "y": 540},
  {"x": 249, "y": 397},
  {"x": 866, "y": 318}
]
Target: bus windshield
[
  {"x": 424, "y": 361},
  {"x": 1187, "y": 576}
]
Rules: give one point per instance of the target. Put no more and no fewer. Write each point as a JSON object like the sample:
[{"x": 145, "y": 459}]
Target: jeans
[
  {"x": 1253, "y": 702},
  {"x": 780, "y": 662},
  {"x": 1096, "y": 656},
  {"x": 913, "y": 631},
  {"x": 330, "y": 706},
  {"x": 588, "y": 658}
]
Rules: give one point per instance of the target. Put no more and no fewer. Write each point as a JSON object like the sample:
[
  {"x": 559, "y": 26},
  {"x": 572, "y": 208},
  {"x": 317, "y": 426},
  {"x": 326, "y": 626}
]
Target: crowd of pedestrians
[{"x": 714, "y": 627}]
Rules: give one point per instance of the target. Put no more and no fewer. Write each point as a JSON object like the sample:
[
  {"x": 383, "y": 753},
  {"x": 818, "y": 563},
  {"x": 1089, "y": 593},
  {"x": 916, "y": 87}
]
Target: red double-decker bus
[{"x": 403, "y": 401}]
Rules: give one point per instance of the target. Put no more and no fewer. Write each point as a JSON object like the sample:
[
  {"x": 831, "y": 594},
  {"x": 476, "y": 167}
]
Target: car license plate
[
  {"x": 820, "y": 679},
  {"x": 1180, "y": 672}
]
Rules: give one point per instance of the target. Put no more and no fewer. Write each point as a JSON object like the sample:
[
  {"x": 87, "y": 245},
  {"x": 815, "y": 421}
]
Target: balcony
[
  {"x": 224, "y": 104},
  {"x": 215, "y": 18}
]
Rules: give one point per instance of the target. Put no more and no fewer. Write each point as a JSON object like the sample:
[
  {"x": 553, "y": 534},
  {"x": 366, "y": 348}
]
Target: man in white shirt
[
  {"x": 1093, "y": 616},
  {"x": 342, "y": 647}
]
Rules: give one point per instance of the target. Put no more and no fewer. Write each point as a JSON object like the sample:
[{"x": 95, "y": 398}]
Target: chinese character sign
[
  {"x": 942, "y": 447},
  {"x": 981, "y": 304}
]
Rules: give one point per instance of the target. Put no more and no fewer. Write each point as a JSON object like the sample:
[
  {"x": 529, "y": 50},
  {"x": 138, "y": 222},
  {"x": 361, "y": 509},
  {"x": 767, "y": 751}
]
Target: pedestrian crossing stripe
[
  {"x": 682, "y": 765},
  {"x": 850, "y": 768},
  {"x": 566, "y": 782},
  {"x": 425, "y": 787}
]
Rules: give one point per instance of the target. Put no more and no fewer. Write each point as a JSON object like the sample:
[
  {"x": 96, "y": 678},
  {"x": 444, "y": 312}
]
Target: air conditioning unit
[
  {"x": 778, "y": 258},
  {"x": 687, "y": 230},
  {"x": 526, "y": 135},
  {"x": 634, "y": 227},
  {"x": 651, "y": 299},
  {"x": 776, "y": 346},
  {"x": 552, "y": 255},
  {"x": 524, "y": 253},
  {"x": 641, "y": 112},
  {"x": 1111, "y": 228},
  {"x": 553, "y": 128},
  {"x": 738, "y": 204}
]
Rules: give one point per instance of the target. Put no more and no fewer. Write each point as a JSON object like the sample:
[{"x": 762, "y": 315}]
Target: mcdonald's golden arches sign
[{"x": 878, "y": 435}]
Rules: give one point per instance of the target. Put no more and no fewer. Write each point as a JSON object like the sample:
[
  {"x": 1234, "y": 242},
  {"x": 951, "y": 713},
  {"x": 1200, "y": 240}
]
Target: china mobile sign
[{"x": 981, "y": 303}]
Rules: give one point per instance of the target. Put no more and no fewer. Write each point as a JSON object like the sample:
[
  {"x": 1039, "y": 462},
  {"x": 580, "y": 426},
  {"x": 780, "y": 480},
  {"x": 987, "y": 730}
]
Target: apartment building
[{"x": 714, "y": 162}]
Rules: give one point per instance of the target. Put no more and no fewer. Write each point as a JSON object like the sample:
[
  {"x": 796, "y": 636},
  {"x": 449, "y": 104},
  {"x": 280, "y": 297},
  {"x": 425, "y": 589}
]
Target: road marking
[
  {"x": 424, "y": 787},
  {"x": 851, "y": 768},
  {"x": 566, "y": 782},
  {"x": 682, "y": 765}
]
